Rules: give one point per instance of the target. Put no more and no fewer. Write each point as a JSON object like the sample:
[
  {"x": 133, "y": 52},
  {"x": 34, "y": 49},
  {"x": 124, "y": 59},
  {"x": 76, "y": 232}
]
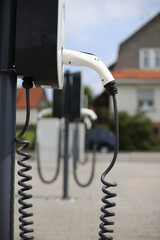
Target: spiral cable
[
  {"x": 77, "y": 160},
  {"x": 105, "y": 209},
  {"x": 25, "y": 178}
]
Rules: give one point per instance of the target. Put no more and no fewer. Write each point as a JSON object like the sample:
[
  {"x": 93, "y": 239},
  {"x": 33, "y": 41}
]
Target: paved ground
[{"x": 137, "y": 210}]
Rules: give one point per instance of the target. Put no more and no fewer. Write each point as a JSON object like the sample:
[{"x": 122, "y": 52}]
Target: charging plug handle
[{"x": 75, "y": 58}]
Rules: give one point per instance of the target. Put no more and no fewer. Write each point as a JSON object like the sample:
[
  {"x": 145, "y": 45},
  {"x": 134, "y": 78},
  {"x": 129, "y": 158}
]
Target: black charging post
[
  {"x": 66, "y": 138},
  {"x": 67, "y": 103},
  {"x": 8, "y": 86}
]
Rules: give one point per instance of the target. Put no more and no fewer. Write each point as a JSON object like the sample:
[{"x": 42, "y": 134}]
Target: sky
[{"x": 100, "y": 26}]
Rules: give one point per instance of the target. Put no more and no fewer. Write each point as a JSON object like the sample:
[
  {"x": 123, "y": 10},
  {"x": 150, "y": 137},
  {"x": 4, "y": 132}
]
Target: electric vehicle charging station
[
  {"x": 39, "y": 57},
  {"x": 52, "y": 147}
]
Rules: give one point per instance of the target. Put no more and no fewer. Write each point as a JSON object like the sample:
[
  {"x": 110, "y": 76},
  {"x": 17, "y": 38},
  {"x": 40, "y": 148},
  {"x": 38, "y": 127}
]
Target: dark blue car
[{"x": 103, "y": 138}]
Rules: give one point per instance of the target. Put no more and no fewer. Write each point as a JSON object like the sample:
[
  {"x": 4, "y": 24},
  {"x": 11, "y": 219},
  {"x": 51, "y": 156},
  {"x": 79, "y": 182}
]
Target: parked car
[{"x": 103, "y": 138}]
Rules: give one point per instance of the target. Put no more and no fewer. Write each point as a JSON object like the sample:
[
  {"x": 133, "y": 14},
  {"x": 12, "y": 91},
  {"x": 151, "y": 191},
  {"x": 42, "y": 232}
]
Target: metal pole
[
  {"x": 8, "y": 80},
  {"x": 66, "y": 140}
]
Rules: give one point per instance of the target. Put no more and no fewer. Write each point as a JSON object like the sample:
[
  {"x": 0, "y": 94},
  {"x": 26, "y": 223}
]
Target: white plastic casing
[
  {"x": 89, "y": 112},
  {"x": 60, "y": 40},
  {"x": 75, "y": 58}
]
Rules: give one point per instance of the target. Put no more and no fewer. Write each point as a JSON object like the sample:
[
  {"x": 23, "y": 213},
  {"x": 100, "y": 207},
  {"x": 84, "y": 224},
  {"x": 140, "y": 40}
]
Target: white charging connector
[
  {"x": 75, "y": 58},
  {"x": 89, "y": 112}
]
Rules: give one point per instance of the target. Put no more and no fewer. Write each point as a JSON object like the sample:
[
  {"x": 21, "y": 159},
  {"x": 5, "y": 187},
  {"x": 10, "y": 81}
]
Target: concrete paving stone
[{"x": 137, "y": 202}]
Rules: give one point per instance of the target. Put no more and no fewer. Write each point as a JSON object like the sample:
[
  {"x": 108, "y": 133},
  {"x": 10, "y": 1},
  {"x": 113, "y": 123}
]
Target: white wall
[
  {"x": 155, "y": 114},
  {"x": 21, "y": 116},
  {"x": 127, "y": 97}
]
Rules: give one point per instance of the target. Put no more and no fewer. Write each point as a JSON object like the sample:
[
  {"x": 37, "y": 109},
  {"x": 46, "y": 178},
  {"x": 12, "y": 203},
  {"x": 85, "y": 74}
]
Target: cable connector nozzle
[
  {"x": 74, "y": 58},
  {"x": 111, "y": 88},
  {"x": 27, "y": 82}
]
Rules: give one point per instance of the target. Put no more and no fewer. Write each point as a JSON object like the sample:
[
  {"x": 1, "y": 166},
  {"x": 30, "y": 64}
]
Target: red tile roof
[
  {"x": 35, "y": 97},
  {"x": 135, "y": 73}
]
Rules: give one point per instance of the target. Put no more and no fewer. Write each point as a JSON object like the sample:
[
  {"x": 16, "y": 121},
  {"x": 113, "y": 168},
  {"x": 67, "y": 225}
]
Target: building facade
[
  {"x": 142, "y": 49},
  {"x": 137, "y": 72}
]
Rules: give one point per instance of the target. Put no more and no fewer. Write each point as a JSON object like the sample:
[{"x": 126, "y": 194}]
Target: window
[
  {"x": 149, "y": 58},
  {"x": 145, "y": 100},
  {"x": 157, "y": 58},
  {"x": 146, "y": 59}
]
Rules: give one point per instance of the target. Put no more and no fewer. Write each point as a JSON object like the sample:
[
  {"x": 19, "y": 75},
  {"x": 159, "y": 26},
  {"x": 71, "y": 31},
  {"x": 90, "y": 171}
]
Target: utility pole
[{"x": 8, "y": 87}]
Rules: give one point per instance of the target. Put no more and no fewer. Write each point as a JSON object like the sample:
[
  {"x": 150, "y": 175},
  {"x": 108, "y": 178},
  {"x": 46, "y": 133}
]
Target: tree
[{"x": 89, "y": 93}]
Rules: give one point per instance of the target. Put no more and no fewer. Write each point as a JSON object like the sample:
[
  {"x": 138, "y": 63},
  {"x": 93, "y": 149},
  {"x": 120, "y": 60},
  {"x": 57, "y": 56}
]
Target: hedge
[{"x": 136, "y": 132}]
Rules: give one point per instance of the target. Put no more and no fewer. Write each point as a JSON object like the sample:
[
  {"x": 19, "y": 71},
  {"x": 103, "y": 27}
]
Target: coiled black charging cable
[
  {"x": 27, "y": 84},
  {"x": 104, "y": 230},
  {"x": 76, "y": 159},
  {"x": 25, "y": 178}
]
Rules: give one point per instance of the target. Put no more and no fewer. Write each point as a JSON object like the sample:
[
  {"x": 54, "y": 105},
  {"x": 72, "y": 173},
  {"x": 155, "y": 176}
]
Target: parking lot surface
[{"x": 137, "y": 202}]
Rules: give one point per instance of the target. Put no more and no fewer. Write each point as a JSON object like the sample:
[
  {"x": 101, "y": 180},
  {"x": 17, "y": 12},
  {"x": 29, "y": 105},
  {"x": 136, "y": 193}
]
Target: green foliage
[
  {"x": 136, "y": 132},
  {"x": 49, "y": 115},
  {"x": 30, "y": 135},
  {"x": 88, "y": 91}
]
